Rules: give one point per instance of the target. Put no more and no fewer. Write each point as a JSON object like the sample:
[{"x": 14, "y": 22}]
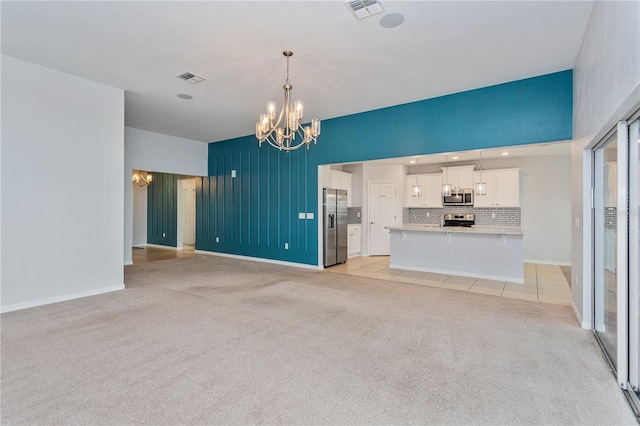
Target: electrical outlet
[
  {"x": 302, "y": 216},
  {"x": 164, "y": 234},
  {"x": 79, "y": 267},
  {"x": 286, "y": 246},
  {"x": 428, "y": 214},
  {"x": 493, "y": 215},
  {"x": 217, "y": 239}
]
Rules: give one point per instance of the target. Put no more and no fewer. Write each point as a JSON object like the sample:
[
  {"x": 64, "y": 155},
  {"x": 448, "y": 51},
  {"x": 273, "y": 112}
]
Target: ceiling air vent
[
  {"x": 364, "y": 8},
  {"x": 191, "y": 77}
]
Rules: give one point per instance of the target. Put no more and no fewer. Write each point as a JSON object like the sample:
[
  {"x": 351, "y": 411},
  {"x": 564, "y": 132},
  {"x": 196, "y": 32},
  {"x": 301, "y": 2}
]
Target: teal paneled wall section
[
  {"x": 257, "y": 212},
  {"x": 162, "y": 210}
]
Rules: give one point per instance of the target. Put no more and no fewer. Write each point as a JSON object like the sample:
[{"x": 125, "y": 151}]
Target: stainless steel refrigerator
[{"x": 334, "y": 209}]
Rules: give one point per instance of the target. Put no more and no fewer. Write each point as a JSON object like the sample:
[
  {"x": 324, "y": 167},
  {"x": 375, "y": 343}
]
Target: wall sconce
[{"x": 141, "y": 178}]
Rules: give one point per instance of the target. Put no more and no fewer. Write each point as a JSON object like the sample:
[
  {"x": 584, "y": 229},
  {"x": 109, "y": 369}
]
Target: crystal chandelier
[{"x": 281, "y": 132}]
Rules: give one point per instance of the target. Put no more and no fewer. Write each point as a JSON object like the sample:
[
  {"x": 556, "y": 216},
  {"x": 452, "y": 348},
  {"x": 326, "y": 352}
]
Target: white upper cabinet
[
  {"x": 433, "y": 186},
  {"x": 459, "y": 176},
  {"x": 502, "y": 187},
  {"x": 430, "y": 190},
  {"x": 326, "y": 176},
  {"x": 342, "y": 180}
]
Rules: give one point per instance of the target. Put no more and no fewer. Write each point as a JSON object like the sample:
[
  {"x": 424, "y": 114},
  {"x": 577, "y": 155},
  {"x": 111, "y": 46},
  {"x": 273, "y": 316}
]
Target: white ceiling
[{"x": 340, "y": 65}]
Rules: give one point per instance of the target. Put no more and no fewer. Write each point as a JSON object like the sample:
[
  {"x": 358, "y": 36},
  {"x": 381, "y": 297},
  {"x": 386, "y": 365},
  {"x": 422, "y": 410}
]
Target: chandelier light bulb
[{"x": 271, "y": 110}]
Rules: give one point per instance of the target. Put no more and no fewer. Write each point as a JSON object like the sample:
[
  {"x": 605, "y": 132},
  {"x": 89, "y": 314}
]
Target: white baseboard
[
  {"x": 548, "y": 262},
  {"x": 260, "y": 259},
  {"x": 576, "y": 312},
  {"x": 63, "y": 298},
  {"x": 161, "y": 246},
  {"x": 460, "y": 273}
]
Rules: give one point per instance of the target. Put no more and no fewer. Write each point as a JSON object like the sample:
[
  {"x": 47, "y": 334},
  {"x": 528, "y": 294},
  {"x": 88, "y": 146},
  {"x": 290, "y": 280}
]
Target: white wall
[
  {"x": 139, "y": 231},
  {"x": 156, "y": 152},
  {"x": 380, "y": 173},
  {"x": 62, "y": 189},
  {"x": 606, "y": 89}
]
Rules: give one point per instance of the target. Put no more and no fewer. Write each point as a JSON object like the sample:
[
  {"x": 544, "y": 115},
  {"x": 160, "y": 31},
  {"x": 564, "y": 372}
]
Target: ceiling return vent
[
  {"x": 364, "y": 8},
  {"x": 191, "y": 77}
]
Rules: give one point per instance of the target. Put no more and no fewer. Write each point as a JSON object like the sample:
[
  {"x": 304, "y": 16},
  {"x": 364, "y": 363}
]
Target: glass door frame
[
  {"x": 621, "y": 365},
  {"x": 634, "y": 255}
]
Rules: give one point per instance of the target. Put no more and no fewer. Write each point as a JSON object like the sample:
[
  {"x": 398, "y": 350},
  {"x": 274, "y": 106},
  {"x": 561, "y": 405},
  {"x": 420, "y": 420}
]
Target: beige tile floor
[{"x": 543, "y": 283}]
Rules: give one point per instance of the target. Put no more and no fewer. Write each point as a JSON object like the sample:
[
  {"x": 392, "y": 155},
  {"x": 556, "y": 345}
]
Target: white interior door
[{"x": 382, "y": 213}]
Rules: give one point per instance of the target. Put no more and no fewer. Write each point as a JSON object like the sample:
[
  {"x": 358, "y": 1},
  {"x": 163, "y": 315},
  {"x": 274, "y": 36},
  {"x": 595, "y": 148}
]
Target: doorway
[
  {"x": 382, "y": 213},
  {"x": 186, "y": 214}
]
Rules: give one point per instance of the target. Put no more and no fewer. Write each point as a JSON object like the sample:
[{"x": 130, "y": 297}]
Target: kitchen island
[{"x": 495, "y": 253}]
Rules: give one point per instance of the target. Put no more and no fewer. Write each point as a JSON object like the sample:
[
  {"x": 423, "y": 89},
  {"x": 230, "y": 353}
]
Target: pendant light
[
  {"x": 417, "y": 189},
  {"x": 481, "y": 187},
  {"x": 446, "y": 186}
]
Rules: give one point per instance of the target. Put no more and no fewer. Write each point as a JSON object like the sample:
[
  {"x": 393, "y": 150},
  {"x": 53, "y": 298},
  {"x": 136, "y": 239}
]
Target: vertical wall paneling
[
  {"x": 529, "y": 111},
  {"x": 162, "y": 210}
]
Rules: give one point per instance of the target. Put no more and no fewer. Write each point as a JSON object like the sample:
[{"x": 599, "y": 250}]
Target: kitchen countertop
[{"x": 497, "y": 230}]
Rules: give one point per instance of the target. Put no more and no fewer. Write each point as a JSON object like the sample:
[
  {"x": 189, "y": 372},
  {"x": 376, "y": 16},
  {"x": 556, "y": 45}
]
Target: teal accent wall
[
  {"x": 257, "y": 212},
  {"x": 162, "y": 202}
]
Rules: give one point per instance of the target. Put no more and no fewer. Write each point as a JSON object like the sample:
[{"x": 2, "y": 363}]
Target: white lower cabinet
[{"x": 354, "y": 241}]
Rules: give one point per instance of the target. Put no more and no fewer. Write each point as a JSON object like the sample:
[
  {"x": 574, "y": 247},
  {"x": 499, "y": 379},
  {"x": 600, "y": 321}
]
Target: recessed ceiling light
[
  {"x": 391, "y": 20},
  {"x": 454, "y": 158},
  {"x": 412, "y": 161},
  {"x": 184, "y": 96},
  {"x": 505, "y": 153}
]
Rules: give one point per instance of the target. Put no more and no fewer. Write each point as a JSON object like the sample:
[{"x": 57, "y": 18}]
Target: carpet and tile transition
[{"x": 212, "y": 340}]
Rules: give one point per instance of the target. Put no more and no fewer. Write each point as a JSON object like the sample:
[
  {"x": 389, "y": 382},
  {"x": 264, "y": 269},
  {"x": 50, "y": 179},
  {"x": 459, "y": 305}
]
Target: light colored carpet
[{"x": 211, "y": 340}]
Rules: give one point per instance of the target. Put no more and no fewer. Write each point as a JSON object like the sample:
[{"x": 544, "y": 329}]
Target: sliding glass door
[
  {"x": 605, "y": 244},
  {"x": 616, "y": 251}
]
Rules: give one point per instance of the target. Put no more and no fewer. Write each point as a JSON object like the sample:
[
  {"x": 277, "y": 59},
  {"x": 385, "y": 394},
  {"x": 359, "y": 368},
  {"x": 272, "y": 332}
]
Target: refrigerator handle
[{"x": 332, "y": 221}]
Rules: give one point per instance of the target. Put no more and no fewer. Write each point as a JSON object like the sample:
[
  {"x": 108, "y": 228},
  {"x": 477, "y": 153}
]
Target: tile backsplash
[
  {"x": 354, "y": 215},
  {"x": 503, "y": 216}
]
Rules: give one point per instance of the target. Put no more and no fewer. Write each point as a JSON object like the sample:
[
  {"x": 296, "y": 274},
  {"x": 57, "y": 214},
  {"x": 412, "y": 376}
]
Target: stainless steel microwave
[{"x": 458, "y": 197}]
